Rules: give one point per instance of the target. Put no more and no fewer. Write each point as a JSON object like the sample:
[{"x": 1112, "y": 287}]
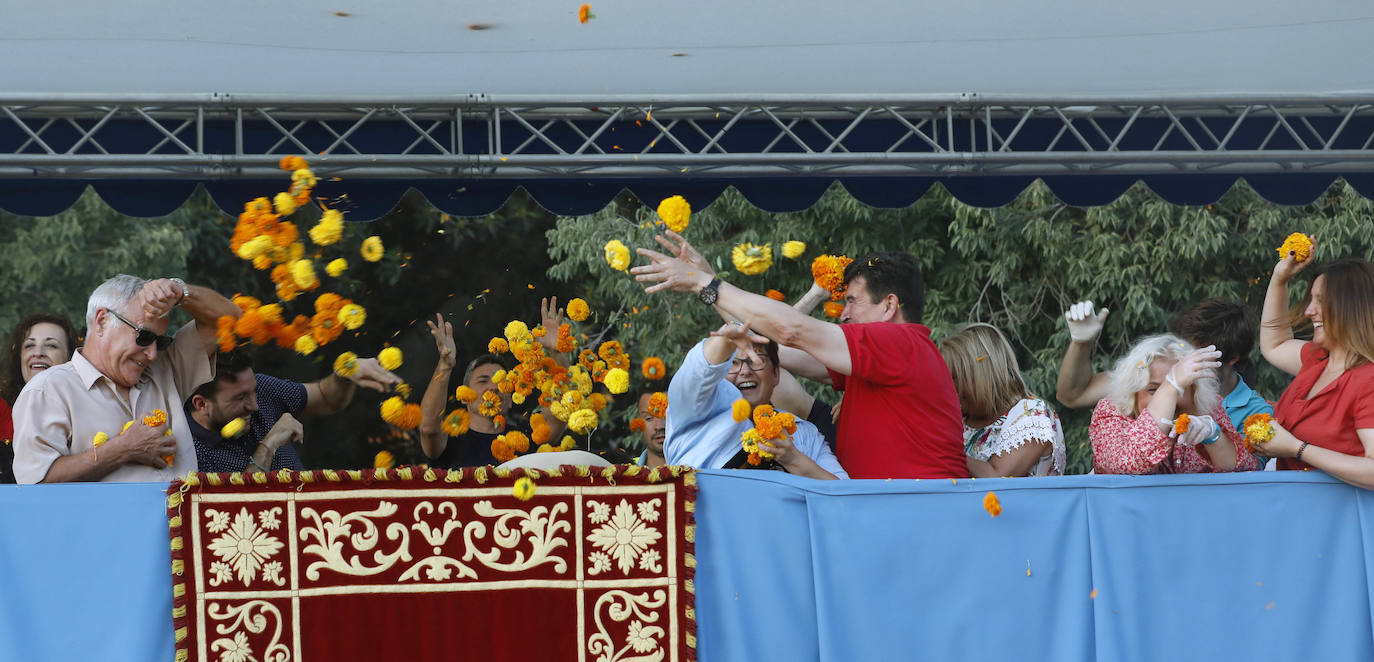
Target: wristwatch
[
  {"x": 709, "y": 293},
  {"x": 185, "y": 291}
]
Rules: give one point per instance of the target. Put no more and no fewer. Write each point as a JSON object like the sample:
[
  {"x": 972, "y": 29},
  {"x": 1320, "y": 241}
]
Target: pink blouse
[{"x": 1124, "y": 445}]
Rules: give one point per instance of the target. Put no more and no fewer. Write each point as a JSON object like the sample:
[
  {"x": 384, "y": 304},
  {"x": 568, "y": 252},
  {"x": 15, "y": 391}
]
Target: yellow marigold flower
[
  {"x": 992, "y": 505},
  {"x": 155, "y": 418},
  {"x": 126, "y": 427},
  {"x": 572, "y": 400},
  {"x": 352, "y": 316},
  {"x": 498, "y": 346},
  {"x": 456, "y": 423},
  {"x": 653, "y": 368},
  {"x": 100, "y": 438},
  {"x": 740, "y": 410},
  {"x": 1259, "y": 429},
  {"x": 793, "y": 249},
  {"x": 346, "y": 364},
  {"x": 617, "y": 381},
  {"x": 559, "y": 410},
  {"x": 284, "y": 204},
  {"x": 752, "y": 259},
  {"x": 578, "y": 310},
  {"x": 372, "y": 249},
  {"x": 304, "y": 177},
  {"x": 567, "y": 444},
  {"x": 391, "y": 408},
  {"x": 465, "y": 394},
  {"x": 518, "y": 398},
  {"x": 329, "y": 230},
  {"x": 516, "y": 330},
  {"x": 582, "y": 421},
  {"x": 617, "y": 255},
  {"x": 306, "y": 345},
  {"x": 390, "y": 358},
  {"x": 403, "y": 389},
  {"x": 383, "y": 460},
  {"x": 262, "y": 263},
  {"x": 303, "y": 272},
  {"x": 675, "y": 212},
  {"x": 336, "y": 267},
  {"x": 1297, "y": 243},
  {"x": 255, "y": 247},
  {"x": 233, "y": 428},
  {"x": 524, "y": 488},
  {"x": 545, "y": 448}
]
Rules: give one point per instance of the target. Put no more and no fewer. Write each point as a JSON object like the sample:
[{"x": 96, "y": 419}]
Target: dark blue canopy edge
[{"x": 370, "y": 199}]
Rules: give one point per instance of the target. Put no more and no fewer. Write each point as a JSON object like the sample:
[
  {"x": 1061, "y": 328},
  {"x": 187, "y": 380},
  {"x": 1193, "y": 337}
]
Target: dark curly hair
[{"x": 12, "y": 381}]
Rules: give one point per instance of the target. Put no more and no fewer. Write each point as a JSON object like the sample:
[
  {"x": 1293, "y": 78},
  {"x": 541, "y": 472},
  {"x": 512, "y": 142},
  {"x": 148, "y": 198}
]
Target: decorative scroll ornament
[
  {"x": 236, "y": 648},
  {"x": 541, "y": 525},
  {"x": 331, "y": 529},
  {"x": 643, "y": 637}
]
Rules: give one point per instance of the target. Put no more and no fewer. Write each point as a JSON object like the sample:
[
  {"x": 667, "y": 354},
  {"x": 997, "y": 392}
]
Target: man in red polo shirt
[{"x": 900, "y": 417}]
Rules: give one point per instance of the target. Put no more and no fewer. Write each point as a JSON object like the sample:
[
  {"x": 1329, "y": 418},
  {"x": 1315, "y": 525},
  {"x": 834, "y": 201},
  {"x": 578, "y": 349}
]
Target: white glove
[
  {"x": 1201, "y": 430},
  {"x": 1197, "y": 364},
  {"x": 1084, "y": 326}
]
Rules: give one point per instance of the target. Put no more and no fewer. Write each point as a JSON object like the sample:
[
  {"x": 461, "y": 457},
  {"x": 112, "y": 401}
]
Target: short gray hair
[
  {"x": 114, "y": 294},
  {"x": 1132, "y": 373}
]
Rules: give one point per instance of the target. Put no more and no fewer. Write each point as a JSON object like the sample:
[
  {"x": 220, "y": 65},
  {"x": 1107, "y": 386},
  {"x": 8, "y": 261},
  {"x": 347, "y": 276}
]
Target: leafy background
[{"x": 1018, "y": 267}]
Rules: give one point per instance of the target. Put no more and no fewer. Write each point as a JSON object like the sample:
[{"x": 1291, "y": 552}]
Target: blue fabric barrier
[{"x": 1252, "y": 566}]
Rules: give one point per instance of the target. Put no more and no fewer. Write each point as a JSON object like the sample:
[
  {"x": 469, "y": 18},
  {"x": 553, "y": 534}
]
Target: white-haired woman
[
  {"x": 1133, "y": 428},
  {"x": 1007, "y": 430}
]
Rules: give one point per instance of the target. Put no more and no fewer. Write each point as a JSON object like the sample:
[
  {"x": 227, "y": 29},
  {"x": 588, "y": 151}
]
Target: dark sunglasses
[{"x": 143, "y": 336}]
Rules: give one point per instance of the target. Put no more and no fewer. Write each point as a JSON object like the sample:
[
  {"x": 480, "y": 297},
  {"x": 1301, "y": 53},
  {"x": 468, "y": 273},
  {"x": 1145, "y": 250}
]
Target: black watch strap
[{"x": 709, "y": 293}]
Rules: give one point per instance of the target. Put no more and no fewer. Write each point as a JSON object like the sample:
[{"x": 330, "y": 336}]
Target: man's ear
[
  {"x": 1232, "y": 363},
  {"x": 892, "y": 309},
  {"x": 199, "y": 403}
]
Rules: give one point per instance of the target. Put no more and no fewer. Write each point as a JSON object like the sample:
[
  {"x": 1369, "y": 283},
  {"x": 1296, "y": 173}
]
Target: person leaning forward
[
  {"x": 900, "y": 417},
  {"x": 127, "y": 369}
]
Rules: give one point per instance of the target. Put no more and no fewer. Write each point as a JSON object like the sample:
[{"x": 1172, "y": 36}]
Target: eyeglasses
[
  {"x": 143, "y": 336},
  {"x": 755, "y": 365}
]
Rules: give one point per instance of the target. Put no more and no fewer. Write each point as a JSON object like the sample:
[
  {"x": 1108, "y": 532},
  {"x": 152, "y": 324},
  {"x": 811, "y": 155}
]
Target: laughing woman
[
  {"x": 37, "y": 343},
  {"x": 1325, "y": 418}
]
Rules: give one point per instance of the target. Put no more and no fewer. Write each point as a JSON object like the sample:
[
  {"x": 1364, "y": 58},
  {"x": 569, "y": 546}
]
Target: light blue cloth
[
  {"x": 854, "y": 570},
  {"x": 700, "y": 430}
]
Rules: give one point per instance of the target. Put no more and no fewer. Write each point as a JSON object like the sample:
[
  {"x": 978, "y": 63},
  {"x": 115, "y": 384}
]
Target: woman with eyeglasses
[{"x": 38, "y": 342}]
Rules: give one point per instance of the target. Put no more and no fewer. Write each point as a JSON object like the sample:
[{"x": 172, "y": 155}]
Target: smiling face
[
  {"x": 235, "y": 397},
  {"x": 44, "y": 346},
  {"x": 654, "y": 427},
  {"x": 1314, "y": 312},
  {"x": 859, "y": 306},
  {"x": 114, "y": 351},
  {"x": 755, "y": 380}
]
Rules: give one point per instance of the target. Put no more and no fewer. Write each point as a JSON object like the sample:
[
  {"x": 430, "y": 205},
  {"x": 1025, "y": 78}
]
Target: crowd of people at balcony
[{"x": 76, "y": 408}]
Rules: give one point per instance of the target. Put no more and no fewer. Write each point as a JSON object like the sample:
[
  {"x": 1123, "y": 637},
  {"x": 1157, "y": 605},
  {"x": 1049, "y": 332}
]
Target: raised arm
[
  {"x": 1277, "y": 344},
  {"x": 433, "y": 440},
  {"x": 1077, "y": 386},
  {"x": 203, "y": 304},
  {"x": 333, "y": 393}
]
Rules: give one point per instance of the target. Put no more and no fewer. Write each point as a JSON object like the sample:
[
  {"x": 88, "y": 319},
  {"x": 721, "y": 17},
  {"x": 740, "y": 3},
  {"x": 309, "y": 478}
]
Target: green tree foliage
[{"x": 1018, "y": 267}]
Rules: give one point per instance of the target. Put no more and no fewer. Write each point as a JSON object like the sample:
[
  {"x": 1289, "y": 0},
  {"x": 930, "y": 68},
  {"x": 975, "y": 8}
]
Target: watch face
[{"x": 708, "y": 294}]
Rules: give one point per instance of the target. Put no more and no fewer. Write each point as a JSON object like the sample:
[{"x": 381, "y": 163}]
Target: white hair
[
  {"x": 114, "y": 294},
  {"x": 1132, "y": 373}
]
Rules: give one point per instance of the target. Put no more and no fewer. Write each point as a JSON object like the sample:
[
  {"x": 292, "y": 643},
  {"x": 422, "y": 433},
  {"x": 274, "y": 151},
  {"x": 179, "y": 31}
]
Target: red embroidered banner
[{"x": 421, "y": 564}]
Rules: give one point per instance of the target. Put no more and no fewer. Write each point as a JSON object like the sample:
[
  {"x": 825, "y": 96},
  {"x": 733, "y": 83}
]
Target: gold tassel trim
[{"x": 176, "y": 543}]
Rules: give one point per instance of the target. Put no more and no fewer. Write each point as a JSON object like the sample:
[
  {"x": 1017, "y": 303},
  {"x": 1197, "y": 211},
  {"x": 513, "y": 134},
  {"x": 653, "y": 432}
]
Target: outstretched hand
[
  {"x": 443, "y": 340},
  {"x": 684, "y": 251},
  {"x": 370, "y": 374},
  {"x": 670, "y": 273},
  {"x": 551, "y": 317},
  {"x": 744, "y": 340}
]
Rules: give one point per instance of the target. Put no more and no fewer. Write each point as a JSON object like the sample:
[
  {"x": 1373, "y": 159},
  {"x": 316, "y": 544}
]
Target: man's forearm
[
  {"x": 89, "y": 466},
  {"x": 766, "y": 317},
  {"x": 262, "y": 459},
  {"x": 335, "y": 394},
  {"x": 432, "y": 438}
]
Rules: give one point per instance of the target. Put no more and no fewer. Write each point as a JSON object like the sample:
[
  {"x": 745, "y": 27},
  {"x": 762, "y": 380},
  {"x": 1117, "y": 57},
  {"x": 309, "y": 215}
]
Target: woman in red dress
[{"x": 1325, "y": 418}]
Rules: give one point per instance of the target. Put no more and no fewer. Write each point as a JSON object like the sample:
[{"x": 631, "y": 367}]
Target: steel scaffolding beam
[{"x": 219, "y": 136}]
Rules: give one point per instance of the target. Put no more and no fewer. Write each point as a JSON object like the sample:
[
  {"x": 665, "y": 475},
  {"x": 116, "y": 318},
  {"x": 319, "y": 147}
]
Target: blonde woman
[
  {"x": 1007, "y": 430},
  {"x": 1133, "y": 428}
]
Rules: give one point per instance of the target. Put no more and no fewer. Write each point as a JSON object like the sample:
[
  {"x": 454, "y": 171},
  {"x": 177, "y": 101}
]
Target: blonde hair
[
  {"x": 1132, "y": 373},
  {"x": 986, "y": 375}
]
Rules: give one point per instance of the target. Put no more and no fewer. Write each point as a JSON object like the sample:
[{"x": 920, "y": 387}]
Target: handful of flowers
[
  {"x": 1181, "y": 424},
  {"x": 828, "y": 272},
  {"x": 1258, "y": 430},
  {"x": 1297, "y": 243},
  {"x": 768, "y": 426}
]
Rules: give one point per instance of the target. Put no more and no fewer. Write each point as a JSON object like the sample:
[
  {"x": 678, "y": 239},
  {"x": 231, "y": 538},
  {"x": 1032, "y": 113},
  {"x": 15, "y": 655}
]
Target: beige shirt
[{"x": 60, "y": 411}]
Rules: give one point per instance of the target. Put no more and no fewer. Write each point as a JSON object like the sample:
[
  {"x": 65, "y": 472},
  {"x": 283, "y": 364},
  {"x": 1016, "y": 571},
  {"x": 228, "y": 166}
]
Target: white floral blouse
[{"x": 1029, "y": 420}]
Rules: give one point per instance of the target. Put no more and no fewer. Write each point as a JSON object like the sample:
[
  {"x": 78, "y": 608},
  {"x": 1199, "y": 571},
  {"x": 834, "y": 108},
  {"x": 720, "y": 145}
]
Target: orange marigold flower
[
  {"x": 224, "y": 333},
  {"x": 598, "y": 402},
  {"x": 740, "y": 410},
  {"x": 1181, "y": 424},
  {"x": 828, "y": 271},
  {"x": 456, "y": 423},
  {"x": 992, "y": 505},
  {"x": 499, "y": 421},
  {"x": 636, "y": 424},
  {"x": 501, "y": 451},
  {"x": 383, "y": 460},
  {"x": 155, "y": 418},
  {"x": 565, "y": 343},
  {"x": 653, "y": 368},
  {"x": 410, "y": 417},
  {"x": 584, "y": 14},
  {"x": 248, "y": 324},
  {"x": 658, "y": 405},
  {"x": 834, "y": 309},
  {"x": 328, "y": 301},
  {"x": 1297, "y": 243},
  {"x": 754, "y": 459},
  {"x": 587, "y": 359},
  {"x": 541, "y": 434},
  {"x": 775, "y": 295},
  {"x": 325, "y": 327},
  {"x": 292, "y": 164},
  {"x": 498, "y": 346},
  {"x": 517, "y": 441}
]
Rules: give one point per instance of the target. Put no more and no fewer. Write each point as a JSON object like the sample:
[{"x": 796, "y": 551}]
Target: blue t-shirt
[
  {"x": 1241, "y": 403},
  {"x": 700, "y": 430}
]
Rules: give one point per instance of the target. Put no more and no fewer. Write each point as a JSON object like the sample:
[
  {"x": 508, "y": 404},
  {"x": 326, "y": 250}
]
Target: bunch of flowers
[
  {"x": 769, "y": 425},
  {"x": 1259, "y": 429},
  {"x": 828, "y": 272},
  {"x": 1297, "y": 243},
  {"x": 1181, "y": 424}
]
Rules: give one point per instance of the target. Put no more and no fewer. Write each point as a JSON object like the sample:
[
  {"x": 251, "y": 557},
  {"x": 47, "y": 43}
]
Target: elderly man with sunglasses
[{"x": 84, "y": 420}]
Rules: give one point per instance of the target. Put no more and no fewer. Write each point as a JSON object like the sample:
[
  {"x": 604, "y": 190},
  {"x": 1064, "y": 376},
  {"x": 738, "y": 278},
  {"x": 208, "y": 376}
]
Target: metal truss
[{"x": 227, "y": 137}]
